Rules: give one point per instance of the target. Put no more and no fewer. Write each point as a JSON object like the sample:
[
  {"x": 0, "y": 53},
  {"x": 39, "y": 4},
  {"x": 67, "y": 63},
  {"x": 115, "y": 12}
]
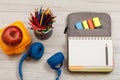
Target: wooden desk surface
[{"x": 13, "y": 10}]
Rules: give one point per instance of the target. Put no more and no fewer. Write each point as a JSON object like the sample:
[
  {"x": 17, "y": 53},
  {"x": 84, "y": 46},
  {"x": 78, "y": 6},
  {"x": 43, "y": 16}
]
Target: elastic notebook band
[
  {"x": 56, "y": 60},
  {"x": 65, "y": 30},
  {"x": 35, "y": 51}
]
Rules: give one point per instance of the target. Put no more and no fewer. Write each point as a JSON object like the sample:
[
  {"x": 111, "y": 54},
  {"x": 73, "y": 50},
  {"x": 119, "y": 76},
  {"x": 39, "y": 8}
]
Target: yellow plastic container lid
[{"x": 10, "y": 50}]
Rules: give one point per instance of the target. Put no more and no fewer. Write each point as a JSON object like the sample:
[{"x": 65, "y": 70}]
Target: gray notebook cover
[{"x": 105, "y": 20}]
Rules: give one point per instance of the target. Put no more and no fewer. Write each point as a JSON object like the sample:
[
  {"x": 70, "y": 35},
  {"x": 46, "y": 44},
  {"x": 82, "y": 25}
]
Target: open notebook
[{"x": 90, "y": 50}]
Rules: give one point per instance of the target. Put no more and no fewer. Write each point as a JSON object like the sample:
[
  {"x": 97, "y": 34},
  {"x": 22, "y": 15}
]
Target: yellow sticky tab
[
  {"x": 96, "y": 22},
  {"x": 85, "y": 25}
]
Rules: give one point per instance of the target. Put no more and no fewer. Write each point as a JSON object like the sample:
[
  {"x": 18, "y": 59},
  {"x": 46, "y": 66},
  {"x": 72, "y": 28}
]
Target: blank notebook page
[{"x": 90, "y": 51}]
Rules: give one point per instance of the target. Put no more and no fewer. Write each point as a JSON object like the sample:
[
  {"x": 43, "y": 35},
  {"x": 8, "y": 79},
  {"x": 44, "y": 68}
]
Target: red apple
[{"x": 12, "y": 36}]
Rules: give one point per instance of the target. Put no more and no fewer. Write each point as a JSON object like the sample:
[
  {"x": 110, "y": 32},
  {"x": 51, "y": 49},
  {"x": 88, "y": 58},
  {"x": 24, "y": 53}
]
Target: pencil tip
[
  {"x": 30, "y": 14},
  {"x": 29, "y": 18},
  {"x": 41, "y": 6}
]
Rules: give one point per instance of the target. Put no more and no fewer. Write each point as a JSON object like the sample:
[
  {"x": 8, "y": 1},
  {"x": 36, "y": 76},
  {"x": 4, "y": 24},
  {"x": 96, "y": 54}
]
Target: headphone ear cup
[
  {"x": 37, "y": 50},
  {"x": 54, "y": 60}
]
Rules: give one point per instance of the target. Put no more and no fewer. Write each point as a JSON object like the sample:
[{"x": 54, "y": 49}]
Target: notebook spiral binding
[{"x": 90, "y": 38}]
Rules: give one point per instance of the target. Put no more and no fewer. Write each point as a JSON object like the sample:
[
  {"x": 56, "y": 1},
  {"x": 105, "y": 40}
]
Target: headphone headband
[{"x": 35, "y": 51}]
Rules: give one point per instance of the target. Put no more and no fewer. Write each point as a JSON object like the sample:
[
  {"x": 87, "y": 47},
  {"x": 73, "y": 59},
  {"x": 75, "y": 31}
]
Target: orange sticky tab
[{"x": 90, "y": 23}]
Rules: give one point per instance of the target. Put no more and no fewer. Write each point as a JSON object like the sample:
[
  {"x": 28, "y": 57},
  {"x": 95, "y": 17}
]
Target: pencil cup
[
  {"x": 41, "y": 22},
  {"x": 43, "y": 36}
]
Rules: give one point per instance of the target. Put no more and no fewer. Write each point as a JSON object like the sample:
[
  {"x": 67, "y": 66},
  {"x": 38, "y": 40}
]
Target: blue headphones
[{"x": 36, "y": 51}]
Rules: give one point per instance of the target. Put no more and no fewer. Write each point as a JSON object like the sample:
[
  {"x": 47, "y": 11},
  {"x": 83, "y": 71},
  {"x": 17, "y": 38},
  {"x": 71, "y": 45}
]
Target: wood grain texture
[{"x": 13, "y": 10}]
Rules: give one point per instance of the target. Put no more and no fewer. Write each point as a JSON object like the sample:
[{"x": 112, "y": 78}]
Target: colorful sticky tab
[
  {"x": 85, "y": 25},
  {"x": 78, "y": 25},
  {"x": 96, "y": 22},
  {"x": 90, "y": 23}
]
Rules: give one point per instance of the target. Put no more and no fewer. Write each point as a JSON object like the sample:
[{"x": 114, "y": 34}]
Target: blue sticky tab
[{"x": 78, "y": 25}]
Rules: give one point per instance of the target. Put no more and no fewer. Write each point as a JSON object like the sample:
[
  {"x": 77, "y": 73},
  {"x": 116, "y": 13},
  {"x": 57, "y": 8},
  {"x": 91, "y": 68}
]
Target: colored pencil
[
  {"x": 35, "y": 21},
  {"x": 36, "y": 13}
]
